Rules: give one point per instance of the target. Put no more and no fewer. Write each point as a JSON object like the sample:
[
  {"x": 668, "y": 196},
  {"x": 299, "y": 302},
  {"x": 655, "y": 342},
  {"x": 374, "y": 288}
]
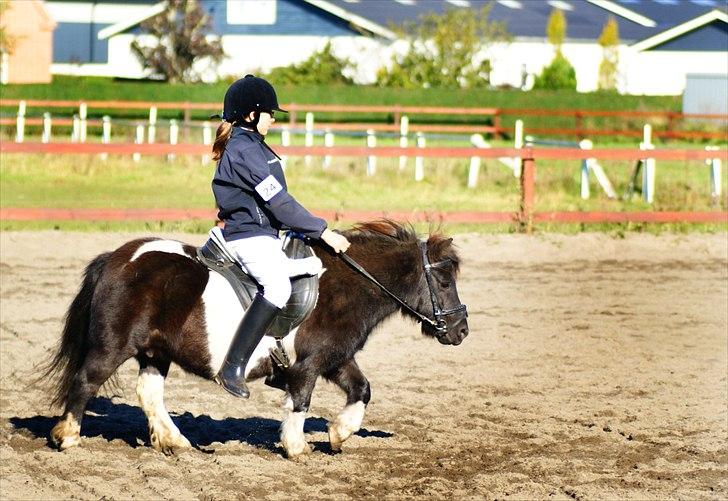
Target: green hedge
[{"x": 91, "y": 88}]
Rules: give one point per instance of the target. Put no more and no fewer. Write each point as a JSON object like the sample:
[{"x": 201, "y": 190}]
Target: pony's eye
[{"x": 445, "y": 285}]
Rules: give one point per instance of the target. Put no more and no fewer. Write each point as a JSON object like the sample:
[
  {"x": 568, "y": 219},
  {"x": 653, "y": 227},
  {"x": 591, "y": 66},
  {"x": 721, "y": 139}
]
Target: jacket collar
[{"x": 240, "y": 131}]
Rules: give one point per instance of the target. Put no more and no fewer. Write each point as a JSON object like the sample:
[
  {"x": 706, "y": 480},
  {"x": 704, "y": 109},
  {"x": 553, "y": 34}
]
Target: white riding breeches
[{"x": 265, "y": 261}]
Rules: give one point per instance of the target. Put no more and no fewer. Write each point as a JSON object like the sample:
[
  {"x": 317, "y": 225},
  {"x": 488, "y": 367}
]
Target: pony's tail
[{"x": 63, "y": 366}]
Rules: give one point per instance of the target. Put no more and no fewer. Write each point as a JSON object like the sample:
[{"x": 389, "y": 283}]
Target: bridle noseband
[
  {"x": 439, "y": 314},
  {"x": 438, "y": 322}
]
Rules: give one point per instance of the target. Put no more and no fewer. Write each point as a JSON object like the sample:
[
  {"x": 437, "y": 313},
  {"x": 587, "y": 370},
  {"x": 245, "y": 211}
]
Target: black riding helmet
[{"x": 250, "y": 93}]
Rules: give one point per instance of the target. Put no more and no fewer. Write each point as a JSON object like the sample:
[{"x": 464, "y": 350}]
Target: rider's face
[{"x": 265, "y": 121}]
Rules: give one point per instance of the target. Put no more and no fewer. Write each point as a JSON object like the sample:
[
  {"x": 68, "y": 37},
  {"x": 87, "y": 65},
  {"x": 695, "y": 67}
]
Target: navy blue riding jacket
[{"x": 251, "y": 192}]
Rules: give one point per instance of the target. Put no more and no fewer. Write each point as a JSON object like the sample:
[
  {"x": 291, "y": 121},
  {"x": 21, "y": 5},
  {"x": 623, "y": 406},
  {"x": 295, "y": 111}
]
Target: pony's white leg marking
[
  {"x": 292, "y": 437},
  {"x": 223, "y": 313},
  {"x": 346, "y": 423},
  {"x": 66, "y": 433},
  {"x": 163, "y": 434},
  {"x": 170, "y": 246}
]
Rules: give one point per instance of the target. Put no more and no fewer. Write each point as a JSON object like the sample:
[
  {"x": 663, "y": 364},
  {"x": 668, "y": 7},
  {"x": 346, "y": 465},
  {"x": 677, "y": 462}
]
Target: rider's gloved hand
[{"x": 336, "y": 241}]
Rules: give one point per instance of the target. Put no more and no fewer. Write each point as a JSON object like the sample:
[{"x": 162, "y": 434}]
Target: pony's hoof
[
  {"x": 169, "y": 446},
  {"x": 66, "y": 434},
  {"x": 335, "y": 439},
  {"x": 299, "y": 453}
]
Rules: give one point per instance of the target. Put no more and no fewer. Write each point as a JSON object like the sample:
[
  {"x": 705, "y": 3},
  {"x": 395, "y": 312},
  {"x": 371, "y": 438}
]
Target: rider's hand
[{"x": 336, "y": 241}]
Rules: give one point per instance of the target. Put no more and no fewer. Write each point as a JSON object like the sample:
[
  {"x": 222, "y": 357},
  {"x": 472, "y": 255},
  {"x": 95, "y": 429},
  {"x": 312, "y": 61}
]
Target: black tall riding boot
[{"x": 251, "y": 330}]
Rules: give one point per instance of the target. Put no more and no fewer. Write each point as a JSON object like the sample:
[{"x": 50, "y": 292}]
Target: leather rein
[{"x": 438, "y": 323}]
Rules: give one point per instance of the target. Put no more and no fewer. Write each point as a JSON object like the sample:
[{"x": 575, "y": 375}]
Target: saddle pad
[{"x": 304, "y": 289}]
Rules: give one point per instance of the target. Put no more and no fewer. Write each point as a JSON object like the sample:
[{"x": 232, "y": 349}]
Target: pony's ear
[{"x": 438, "y": 246}]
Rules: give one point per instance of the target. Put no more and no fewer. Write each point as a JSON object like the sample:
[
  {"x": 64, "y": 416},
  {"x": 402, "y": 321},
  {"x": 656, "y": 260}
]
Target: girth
[{"x": 304, "y": 289}]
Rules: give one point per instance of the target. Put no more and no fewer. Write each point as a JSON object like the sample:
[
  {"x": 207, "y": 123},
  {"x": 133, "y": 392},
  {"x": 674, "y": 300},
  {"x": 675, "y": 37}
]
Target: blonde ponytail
[{"x": 221, "y": 139}]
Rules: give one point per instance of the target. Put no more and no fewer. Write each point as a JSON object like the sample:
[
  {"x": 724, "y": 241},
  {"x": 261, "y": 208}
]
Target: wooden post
[
  {"x": 497, "y": 123},
  {"x": 173, "y": 136},
  {"x": 371, "y": 159},
  {"x": 420, "y": 161},
  {"x": 528, "y": 175},
  {"x": 83, "y": 114},
  {"x": 578, "y": 125},
  {"x": 105, "y": 133},
  {"x": 152, "y": 129},
  {"x": 138, "y": 140},
  {"x": 518, "y": 144},
  {"x": 20, "y": 123},
  {"x": 715, "y": 174},
  {"x": 328, "y": 142},
  {"x": 648, "y": 171},
  {"x": 46, "y": 137},
  {"x": 477, "y": 141},
  {"x": 76, "y": 130},
  {"x": 403, "y": 131}
]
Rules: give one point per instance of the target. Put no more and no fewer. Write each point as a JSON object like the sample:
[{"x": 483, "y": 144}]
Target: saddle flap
[{"x": 304, "y": 289}]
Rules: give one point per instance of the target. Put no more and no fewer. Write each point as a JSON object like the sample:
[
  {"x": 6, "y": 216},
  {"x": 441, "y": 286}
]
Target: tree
[
  {"x": 442, "y": 50},
  {"x": 7, "y": 42},
  {"x": 556, "y": 28},
  {"x": 181, "y": 36},
  {"x": 323, "y": 67},
  {"x": 559, "y": 74},
  {"x": 609, "y": 40}
]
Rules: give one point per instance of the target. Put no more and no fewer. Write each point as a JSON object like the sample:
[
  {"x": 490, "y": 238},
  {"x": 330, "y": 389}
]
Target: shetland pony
[{"x": 151, "y": 299}]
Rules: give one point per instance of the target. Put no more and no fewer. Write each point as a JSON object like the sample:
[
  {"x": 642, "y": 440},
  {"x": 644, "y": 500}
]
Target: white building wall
[
  {"x": 664, "y": 72},
  {"x": 648, "y": 72}
]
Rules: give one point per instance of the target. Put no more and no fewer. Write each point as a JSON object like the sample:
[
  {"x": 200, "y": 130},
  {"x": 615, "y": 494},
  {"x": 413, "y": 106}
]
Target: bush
[
  {"x": 323, "y": 67},
  {"x": 559, "y": 74}
]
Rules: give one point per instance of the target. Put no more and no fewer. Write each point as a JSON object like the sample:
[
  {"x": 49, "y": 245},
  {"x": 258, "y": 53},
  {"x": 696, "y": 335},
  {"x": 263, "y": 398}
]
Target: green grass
[{"x": 88, "y": 182}]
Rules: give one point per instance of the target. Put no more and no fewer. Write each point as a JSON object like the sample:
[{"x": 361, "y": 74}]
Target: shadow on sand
[{"x": 111, "y": 421}]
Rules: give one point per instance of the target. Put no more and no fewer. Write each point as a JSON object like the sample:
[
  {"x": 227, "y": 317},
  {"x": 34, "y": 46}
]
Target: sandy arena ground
[{"x": 595, "y": 369}]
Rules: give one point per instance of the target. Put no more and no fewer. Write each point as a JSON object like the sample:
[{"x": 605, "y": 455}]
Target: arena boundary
[{"x": 525, "y": 216}]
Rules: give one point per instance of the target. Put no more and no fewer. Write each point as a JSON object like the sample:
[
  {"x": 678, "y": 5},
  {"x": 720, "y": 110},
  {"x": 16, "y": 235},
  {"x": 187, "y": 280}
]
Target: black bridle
[{"x": 438, "y": 322}]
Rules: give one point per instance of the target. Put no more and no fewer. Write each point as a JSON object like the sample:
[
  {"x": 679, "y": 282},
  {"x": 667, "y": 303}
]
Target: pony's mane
[{"x": 440, "y": 247}]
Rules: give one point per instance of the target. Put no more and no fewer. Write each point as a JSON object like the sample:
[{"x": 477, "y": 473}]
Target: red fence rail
[
  {"x": 524, "y": 216},
  {"x": 494, "y": 115}
]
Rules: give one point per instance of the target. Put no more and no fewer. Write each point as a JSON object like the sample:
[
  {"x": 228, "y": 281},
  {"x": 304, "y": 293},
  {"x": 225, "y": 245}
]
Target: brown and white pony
[{"x": 152, "y": 300}]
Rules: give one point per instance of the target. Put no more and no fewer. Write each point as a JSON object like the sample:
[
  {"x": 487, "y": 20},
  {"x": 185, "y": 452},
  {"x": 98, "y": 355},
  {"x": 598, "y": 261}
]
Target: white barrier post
[
  {"x": 420, "y": 161},
  {"x": 138, "y": 140},
  {"x": 152, "y": 129},
  {"x": 478, "y": 141},
  {"x": 308, "y": 139},
  {"x": 173, "y": 137},
  {"x": 105, "y": 133},
  {"x": 715, "y": 167},
  {"x": 76, "y": 130},
  {"x": 83, "y": 114},
  {"x": 46, "y": 137},
  {"x": 206, "y": 139},
  {"x": 371, "y": 159},
  {"x": 585, "y": 145},
  {"x": 599, "y": 173},
  {"x": 403, "y": 131},
  {"x": 328, "y": 142},
  {"x": 648, "y": 173},
  {"x": 20, "y": 123},
  {"x": 518, "y": 144},
  {"x": 285, "y": 142}
]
